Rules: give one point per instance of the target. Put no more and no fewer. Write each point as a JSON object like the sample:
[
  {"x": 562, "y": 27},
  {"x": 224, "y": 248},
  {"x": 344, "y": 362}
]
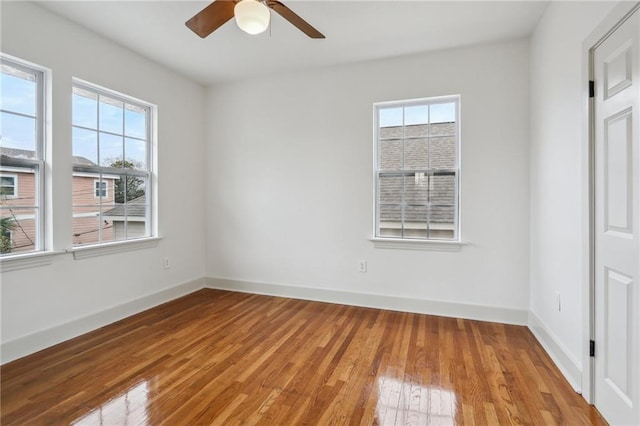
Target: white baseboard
[
  {"x": 565, "y": 362},
  {"x": 34, "y": 342},
  {"x": 403, "y": 304}
]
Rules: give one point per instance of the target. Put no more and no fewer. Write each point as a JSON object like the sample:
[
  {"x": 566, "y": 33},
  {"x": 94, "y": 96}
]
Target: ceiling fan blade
[
  {"x": 211, "y": 17},
  {"x": 294, "y": 19}
]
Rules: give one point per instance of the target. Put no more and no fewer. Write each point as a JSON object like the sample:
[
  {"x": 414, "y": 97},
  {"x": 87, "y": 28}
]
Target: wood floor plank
[{"x": 219, "y": 357}]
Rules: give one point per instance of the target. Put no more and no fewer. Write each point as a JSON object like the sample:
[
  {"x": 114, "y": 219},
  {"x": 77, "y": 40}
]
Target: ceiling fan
[{"x": 252, "y": 16}]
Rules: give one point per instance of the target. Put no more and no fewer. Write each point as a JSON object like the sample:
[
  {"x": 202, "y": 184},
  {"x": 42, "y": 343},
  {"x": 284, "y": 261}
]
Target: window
[
  {"x": 112, "y": 173},
  {"x": 8, "y": 186},
  {"x": 417, "y": 169},
  {"x": 21, "y": 157},
  {"x": 100, "y": 188}
]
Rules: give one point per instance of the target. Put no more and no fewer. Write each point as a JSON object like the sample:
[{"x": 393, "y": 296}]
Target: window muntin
[
  {"x": 21, "y": 157},
  {"x": 112, "y": 166},
  {"x": 417, "y": 169}
]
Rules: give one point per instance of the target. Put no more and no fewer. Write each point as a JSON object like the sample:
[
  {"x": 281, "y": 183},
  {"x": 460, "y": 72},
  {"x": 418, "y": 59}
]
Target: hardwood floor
[{"x": 216, "y": 357}]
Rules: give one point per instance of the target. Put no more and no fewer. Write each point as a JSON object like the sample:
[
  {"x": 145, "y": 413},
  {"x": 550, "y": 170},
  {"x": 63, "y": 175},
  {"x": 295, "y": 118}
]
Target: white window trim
[
  {"x": 34, "y": 259},
  {"x": 43, "y": 241},
  {"x": 15, "y": 185},
  {"x": 103, "y": 249},
  {"x": 418, "y": 243},
  {"x": 109, "y": 247},
  {"x": 96, "y": 189}
]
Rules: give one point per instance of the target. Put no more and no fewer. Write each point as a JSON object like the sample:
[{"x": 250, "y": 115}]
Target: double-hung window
[
  {"x": 21, "y": 157},
  {"x": 112, "y": 167},
  {"x": 417, "y": 169}
]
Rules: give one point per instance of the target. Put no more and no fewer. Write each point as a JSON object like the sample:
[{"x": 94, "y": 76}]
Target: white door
[{"x": 617, "y": 224}]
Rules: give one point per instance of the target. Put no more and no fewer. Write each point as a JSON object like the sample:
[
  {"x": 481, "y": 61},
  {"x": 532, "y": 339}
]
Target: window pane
[
  {"x": 390, "y": 154},
  {"x": 396, "y": 132},
  {"x": 18, "y": 91},
  {"x": 135, "y": 122},
  {"x": 442, "y": 222},
  {"x": 129, "y": 188},
  {"x": 442, "y": 129},
  {"x": 85, "y": 108},
  {"x": 129, "y": 215},
  {"x": 136, "y": 224},
  {"x": 418, "y": 114},
  {"x": 135, "y": 154},
  {"x": 418, "y": 130},
  {"x": 92, "y": 195},
  {"x": 24, "y": 187},
  {"x": 18, "y": 228},
  {"x": 442, "y": 113},
  {"x": 442, "y": 190},
  {"x": 415, "y": 221},
  {"x": 111, "y": 149},
  {"x": 390, "y": 221},
  {"x": 416, "y": 189},
  {"x": 390, "y": 190},
  {"x": 416, "y": 154},
  {"x": 111, "y": 115},
  {"x": 85, "y": 147},
  {"x": 390, "y": 117},
  {"x": 443, "y": 153},
  {"x": 87, "y": 225},
  {"x": 18, "y": 132}
]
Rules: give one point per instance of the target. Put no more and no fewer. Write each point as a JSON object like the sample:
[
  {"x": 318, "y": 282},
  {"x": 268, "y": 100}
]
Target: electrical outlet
[
  {"x": 166, "y": 263},
  {"x": 558, "y": 301},
  {"x": 363, "y": 266}
]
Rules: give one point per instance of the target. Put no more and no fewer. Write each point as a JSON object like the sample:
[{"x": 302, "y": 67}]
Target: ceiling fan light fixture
[{"x": 252, "y": 16}]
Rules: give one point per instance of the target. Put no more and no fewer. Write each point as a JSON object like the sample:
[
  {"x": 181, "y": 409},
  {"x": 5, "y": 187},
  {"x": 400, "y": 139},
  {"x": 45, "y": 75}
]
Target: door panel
[
  {"x": 617, "y": 151},
  {"x": 617, "y": 318},
  {"x": 617, "y": 254}
]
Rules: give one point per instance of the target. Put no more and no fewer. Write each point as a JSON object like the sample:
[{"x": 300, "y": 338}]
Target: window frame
[
  {"x": 401, "y": 241},
  {"x": 97, "y": 191},
  {"x": 33, "y": 165},
  {"x": 148, "y": 175},
  {"x": 14, "y": 186}
]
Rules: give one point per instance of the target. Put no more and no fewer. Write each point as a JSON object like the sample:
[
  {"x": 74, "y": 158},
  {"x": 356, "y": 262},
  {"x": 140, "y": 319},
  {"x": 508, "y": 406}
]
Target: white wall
[
  {"x": 557, "y": 181},
  {"x": 290, "y": 189},
  {"x": 38, "y": 299}
]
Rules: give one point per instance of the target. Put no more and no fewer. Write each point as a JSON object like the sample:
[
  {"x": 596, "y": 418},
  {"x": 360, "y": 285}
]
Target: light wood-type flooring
[{"x": 216, "y": 357}]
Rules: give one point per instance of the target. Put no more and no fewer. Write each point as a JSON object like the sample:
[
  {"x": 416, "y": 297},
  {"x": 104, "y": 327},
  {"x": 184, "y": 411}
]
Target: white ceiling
[{"x": 355, "y": 30}]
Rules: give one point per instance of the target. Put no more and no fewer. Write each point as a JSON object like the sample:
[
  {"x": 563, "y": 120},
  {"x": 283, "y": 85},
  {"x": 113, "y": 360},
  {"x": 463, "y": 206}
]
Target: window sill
[
  {"x": 85, "y": 252},
  {"x": 406, "y": 244},
  {"x": 28, "y": 260}
]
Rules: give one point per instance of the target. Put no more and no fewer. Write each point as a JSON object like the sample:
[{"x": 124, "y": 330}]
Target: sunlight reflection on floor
[
  {"x": 401, "y": 403},
  {"x": 129, "y": 408}
]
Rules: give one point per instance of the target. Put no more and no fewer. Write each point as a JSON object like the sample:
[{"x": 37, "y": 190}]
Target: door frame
[{"x": 608, "y": 25}]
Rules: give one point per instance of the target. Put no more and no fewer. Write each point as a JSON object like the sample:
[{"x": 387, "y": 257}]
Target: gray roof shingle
[
  {"x": 418, "y": 147},
  {"x": 135, "y": 208},
  {"x": 6, "y": 153}
]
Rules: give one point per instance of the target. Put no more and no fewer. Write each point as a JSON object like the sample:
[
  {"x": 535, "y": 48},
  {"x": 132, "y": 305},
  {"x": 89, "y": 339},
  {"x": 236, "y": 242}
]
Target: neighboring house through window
[
  {"x": 111, "y": 166},
  {"x": 21, "y": 156},
  {"x": 417, "y": 145}
]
